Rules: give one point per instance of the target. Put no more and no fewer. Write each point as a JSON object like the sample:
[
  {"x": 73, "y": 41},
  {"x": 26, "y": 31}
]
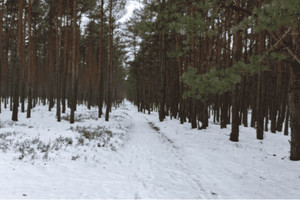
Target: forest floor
[{"x": 136, "y": 156}]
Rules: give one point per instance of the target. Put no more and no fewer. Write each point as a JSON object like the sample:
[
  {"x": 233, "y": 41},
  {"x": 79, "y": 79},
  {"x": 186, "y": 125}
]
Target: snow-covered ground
[{"x": 136, "y": 156}]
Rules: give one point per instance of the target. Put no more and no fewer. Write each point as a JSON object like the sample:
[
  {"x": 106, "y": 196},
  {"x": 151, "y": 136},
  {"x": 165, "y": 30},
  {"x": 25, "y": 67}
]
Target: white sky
[{"x": 131, "y": 5}]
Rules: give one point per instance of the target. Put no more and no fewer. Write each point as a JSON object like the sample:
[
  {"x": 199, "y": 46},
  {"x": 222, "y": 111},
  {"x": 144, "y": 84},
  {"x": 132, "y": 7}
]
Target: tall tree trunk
[
  {"x": 23, "y": 63},
  {"x": 51, "y": 55},
  {"x": 162, "y": 103},
  {"x": 294, "y": 105},
  {"x": 74, "y": 63},
  {"x": 294, "y": 100},
  {"x": 234, "y": 135},
  {"x": 1, "y": 49},
  {"x": 18, "y": 61},
  {"x": 57, "y": 60},
  {"x": 66, "y": 60},
  {"x": 273, "y": 107},
  {"x": 237, "y": 49},
  {"x": 100, "y": 61},
  {"x": 110, "y": 61},
  {"x": 29, "y": 77},
  {"x": 259, "y": 94}
]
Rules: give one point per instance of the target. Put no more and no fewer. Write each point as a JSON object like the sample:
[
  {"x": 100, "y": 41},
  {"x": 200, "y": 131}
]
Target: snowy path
[
  {"x": 157, "y": 166},
  {"x": 148, "y": 165}
]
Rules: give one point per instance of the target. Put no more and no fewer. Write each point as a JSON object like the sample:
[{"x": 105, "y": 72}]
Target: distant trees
[
  {"x": 220, "y": 58},
  {"x": 46, "y": 55}
]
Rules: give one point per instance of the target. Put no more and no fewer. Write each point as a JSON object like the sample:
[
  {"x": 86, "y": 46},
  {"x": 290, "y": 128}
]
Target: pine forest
[{"x": 166, "y": 95}]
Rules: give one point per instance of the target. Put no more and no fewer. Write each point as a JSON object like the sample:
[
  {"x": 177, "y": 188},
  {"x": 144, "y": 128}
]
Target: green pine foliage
[
  {"x": 219, "y": 80},
  {"x": 270, "y": 16},
  {"x": 276, "y": 14}
]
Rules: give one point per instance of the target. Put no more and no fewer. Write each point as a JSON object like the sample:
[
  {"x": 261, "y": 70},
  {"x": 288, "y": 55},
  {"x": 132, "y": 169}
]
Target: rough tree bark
[
  {"x": 162, "y": 102},
  {"x": 74, "y": 63},
  {"x": 110, "y": 62},
  {"x": 237, "y": 49},
  {"x": 57, "y": 60},
  {"x": 1, "y": 48},
  {"x": 294, "y": 97},
  {"x": 29, "y": 80},
  {"x": 18, "y": 62},
  {"x": 100, "y": 60}
]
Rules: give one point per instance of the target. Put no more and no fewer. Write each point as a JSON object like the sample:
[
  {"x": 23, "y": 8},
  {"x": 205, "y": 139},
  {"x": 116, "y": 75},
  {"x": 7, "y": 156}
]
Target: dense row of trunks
[
  {"x": 47, "y": 57},
  {"x": 186, "y": 34}
]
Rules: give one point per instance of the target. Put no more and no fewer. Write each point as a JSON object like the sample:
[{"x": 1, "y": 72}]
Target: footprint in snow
[{"x": 214, "y": 194}]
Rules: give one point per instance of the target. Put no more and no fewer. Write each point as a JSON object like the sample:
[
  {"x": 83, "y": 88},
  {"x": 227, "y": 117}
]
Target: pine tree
[
  {"x": 110, "y": 63},
  {"x": 101, "y": 60},
  {"x": 58, "y": 67},
  {"x": 1, "y": 48},
  {"x": 73, "y": 62},
  {"x": 18, "y": 61}
]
